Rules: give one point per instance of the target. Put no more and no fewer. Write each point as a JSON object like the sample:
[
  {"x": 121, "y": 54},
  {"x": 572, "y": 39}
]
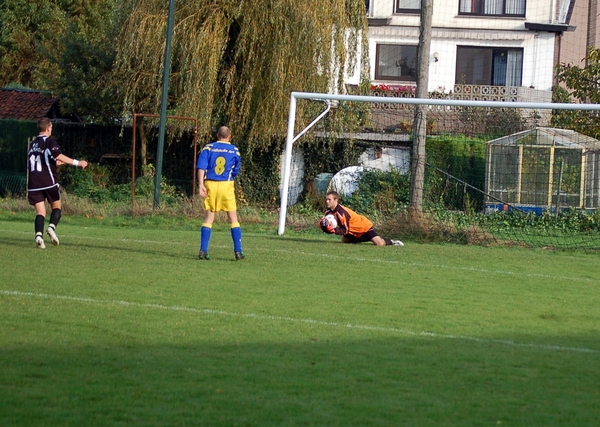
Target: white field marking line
[
  {"x": 296, "y": 320},
  {"x": 346, "y": 258}
]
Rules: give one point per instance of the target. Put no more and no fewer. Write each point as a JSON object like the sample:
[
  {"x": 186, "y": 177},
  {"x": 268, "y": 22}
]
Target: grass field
[{"x": 122, "y": 326}]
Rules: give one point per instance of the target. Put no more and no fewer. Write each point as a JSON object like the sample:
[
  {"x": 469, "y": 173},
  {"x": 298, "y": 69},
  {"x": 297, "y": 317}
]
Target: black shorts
[
  {"x": 51, "y": 194},
  {"x": 366, "y": 237}
]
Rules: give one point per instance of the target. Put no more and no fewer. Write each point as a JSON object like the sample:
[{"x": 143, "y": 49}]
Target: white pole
[
  {"x": 447, "y": 102},
  {"x": 287, "y": 165}
]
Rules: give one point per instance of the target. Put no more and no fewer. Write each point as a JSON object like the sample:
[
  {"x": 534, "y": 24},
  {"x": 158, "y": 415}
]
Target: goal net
[{"x": 498, "y": 166}]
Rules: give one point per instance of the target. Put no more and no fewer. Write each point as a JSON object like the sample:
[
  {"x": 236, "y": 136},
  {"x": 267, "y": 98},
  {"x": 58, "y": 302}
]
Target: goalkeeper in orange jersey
[{"x": 353, "y": 228}]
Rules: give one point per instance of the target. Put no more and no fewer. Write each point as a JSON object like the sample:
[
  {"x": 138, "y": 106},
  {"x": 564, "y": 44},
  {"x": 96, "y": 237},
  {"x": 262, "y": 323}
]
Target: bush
[
  {"x": 462, "y": 157},
  {"x": 380, "y": 193},
  {"x": 494, "y": 122},
  {"x": 567, "y": 221},
  {"x": 95, "y": 183}
]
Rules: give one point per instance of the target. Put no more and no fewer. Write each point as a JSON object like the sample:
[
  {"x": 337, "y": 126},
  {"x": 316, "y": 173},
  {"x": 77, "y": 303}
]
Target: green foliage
[
  {"x": 571, "y": 229},
  {"x": 79, "y": 181},
  {"x": 66, "y": 46},
  {"x": 567, "y": 221},
  {"x": 85, "y": 61},
  {"x": 144, "y": 187},
  {"x": 581, "y": 82},
  {"x": 562, "y": 119},
  {"x": 349, "y": 116},
  {"x": 492, "y": 122},
  {"x": 582, "y": 86},
  {"x": 459, "y": 220},
  {"x": 95, "y": 183},
  {"x": 380, "y": 193},
  {"x": 259, "y": 178},
  {"x": 236, "y": 63},
  {"x": 28, "y": 30},
  {"x": 462, "y": 157}
]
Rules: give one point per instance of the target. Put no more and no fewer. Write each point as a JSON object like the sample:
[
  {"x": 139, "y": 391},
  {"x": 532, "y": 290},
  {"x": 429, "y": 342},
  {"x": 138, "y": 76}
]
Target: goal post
[{"x": 443, "y": 103}]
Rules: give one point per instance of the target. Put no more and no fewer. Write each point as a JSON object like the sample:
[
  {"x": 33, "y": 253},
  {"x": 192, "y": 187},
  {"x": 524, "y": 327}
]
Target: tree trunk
[
  {"x": 420, "y": 134},
  {"x": 143, "y": 144}
]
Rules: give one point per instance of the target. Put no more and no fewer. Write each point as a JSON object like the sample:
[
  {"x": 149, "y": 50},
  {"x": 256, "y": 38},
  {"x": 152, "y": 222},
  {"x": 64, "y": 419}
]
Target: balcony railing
[
  {"x": 393, "y": 117},
  {"x": 466, "y": 92},
  {"x": 500, "y": 93}
]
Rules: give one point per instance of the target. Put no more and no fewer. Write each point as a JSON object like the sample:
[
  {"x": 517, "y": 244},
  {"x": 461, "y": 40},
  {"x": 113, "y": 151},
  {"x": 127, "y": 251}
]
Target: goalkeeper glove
[{"x": 326, "y": 226}]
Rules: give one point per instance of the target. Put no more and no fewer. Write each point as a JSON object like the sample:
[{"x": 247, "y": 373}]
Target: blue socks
[
  {"x": 236, "y": 235},
  {"x": 205, "y": 233}
]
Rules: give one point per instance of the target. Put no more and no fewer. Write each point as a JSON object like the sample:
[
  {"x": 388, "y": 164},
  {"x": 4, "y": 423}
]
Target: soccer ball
[
  {"x": 328, "y": 222},
  {"x": 331, "y": 219}
]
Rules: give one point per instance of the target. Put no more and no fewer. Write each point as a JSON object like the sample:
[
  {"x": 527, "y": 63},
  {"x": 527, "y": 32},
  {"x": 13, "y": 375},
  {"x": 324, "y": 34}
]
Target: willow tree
[{"x": 236, "y": 61}]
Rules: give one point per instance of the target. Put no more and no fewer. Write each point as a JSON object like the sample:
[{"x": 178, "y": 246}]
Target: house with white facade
[{"x": 480, "y": 49}]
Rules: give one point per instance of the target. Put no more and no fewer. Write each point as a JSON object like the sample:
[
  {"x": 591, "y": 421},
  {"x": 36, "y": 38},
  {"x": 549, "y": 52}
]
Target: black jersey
[{"x": 41, "y": 161}]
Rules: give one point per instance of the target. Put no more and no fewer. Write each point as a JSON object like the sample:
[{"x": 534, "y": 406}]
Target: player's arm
[
  {"x": 343, "y": 220},
  {"x": 236, "y": 165},
  {"x": 201, "y": 175},
  {"x": 202, "y": 167},
  {"x": 62, "y": 159}
]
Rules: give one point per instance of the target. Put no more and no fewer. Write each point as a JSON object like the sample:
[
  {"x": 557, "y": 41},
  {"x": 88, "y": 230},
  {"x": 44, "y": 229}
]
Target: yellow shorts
[{"x": 220, "y": 196}]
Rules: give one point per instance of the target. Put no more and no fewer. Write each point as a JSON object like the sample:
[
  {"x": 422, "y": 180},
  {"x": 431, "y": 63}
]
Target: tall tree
[
  {"x": 236, "y": 62},
  {"x": 29, "y": 31},
  {"x": 418, "y": 153},
  {"x": 66, "y": 47},
  {"x": 85, "y": 61}
]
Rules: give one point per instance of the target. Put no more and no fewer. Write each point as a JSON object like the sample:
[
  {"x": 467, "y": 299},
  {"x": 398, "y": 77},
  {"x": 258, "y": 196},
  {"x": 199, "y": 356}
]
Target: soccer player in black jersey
[{"x": 42, "y": 159}]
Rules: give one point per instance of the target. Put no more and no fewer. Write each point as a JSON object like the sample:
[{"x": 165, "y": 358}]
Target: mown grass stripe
[
  {"x": 305, "y": 321},
  {"x": 341, "y": 257}
]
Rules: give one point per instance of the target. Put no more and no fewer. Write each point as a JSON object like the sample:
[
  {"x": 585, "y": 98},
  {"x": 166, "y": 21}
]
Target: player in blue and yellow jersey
[
  {"x": 353, "y": 228},
  {"x": 42, "y": 184},
  {"x": 218, "y": 164}
]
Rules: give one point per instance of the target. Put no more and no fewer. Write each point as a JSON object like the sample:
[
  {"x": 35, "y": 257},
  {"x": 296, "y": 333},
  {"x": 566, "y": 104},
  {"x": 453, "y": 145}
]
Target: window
[
  {"x": 408, "y": 6},
  {"x": 492, "y": 7},
  {"x": 489, "y": 66},
  {"x": 396, "y": 62}
]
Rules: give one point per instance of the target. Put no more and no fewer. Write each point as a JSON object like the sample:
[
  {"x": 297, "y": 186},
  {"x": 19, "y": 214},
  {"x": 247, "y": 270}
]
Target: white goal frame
[{"x": 328, "y": 98}]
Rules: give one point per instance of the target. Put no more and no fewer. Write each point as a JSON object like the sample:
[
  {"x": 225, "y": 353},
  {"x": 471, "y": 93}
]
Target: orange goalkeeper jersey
[{"x": 349, "y": 222}]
